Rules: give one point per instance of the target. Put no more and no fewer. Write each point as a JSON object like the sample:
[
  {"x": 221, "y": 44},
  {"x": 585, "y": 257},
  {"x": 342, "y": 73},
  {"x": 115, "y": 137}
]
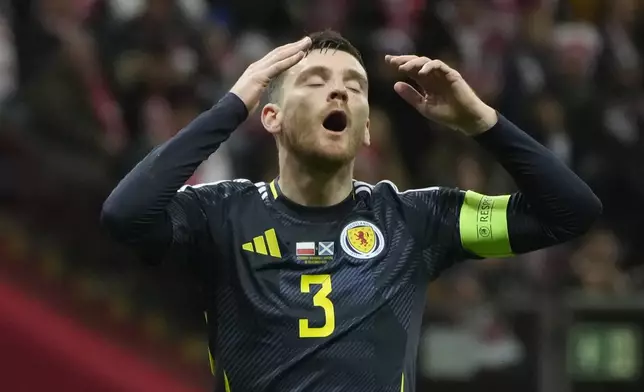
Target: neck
[{"x": 313, "y": 186}]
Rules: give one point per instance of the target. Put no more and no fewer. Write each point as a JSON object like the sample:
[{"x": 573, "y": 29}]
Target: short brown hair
[{"x": 321, "y": 40}]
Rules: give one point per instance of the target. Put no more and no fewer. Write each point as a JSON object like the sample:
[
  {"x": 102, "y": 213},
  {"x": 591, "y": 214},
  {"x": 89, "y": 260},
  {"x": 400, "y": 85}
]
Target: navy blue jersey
[
  {"x": 330, "y": 298},
  {"x": 316, "y": 299}
]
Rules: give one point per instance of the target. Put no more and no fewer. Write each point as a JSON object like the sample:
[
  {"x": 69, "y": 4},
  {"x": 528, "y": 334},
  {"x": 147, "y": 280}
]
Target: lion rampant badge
[{"x": 362, "y": 240}]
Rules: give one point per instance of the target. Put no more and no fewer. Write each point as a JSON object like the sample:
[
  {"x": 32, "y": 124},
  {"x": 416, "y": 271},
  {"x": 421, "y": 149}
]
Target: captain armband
[{"x": 484, "y": 225}]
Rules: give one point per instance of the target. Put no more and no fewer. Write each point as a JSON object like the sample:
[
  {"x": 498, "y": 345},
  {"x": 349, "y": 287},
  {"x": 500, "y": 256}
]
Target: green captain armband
[{"x": 484, "y": 225}]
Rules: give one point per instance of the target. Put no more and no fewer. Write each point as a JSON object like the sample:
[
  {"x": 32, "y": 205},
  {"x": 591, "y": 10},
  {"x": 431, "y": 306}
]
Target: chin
[
  {"x": 339, "y": 157},
  {"x": 325, "y": 148},
  {"x": 341, "y": 149},
  {"x": 330, "y": 155}
]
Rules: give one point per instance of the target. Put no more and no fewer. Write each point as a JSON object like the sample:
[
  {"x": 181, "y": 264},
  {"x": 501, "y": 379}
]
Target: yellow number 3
[{"x": 322, "y": 300}]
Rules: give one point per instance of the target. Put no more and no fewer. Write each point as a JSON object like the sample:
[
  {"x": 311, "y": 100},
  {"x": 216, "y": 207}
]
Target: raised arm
[
  {"x": 145, "y": 210},
  {"x": 138, "y": 209},
  {"x": 553, "y": 204}
]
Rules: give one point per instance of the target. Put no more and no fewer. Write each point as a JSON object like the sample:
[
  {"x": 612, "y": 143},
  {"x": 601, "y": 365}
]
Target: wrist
[{"x": 484, "y": 119}]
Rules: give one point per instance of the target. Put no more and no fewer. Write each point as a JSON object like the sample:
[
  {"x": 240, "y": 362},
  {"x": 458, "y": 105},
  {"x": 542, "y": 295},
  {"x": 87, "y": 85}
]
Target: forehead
[{"x": 334, "y": 60}]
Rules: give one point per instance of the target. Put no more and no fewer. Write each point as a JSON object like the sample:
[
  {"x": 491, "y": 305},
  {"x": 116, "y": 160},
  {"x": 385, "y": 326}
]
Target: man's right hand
[{"x": 251, "y": 85}]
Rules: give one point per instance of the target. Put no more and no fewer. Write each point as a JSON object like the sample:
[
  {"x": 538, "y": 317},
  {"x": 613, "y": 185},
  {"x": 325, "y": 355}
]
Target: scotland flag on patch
[{"x": 325, "y": 248}]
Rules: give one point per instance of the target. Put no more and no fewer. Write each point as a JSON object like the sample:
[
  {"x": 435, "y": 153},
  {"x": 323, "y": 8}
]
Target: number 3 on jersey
[{"x": 320, "y": 299}]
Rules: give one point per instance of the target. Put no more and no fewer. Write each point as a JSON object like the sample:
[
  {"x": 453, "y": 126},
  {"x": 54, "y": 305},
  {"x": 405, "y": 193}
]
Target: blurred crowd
[{"x": 88, "y": 87}]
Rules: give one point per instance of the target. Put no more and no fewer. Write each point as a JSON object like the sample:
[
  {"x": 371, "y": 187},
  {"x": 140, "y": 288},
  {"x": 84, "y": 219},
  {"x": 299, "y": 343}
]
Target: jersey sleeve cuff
[
  {"x": 502, "y": 136},
  {"x": 234, "y": 105}
]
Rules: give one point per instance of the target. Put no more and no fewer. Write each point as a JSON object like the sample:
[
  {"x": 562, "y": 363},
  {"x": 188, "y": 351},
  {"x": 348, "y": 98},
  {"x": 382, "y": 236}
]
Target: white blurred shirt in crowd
[
  {"x": 128, "y": 9},
  {"x": 7, "y": 60}
]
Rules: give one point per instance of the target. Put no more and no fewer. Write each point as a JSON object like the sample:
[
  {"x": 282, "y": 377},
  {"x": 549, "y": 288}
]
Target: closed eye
[{"x": 354, "y": 86}]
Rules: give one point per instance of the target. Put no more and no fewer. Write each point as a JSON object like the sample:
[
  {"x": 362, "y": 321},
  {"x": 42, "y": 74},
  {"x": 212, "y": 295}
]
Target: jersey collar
[{"x": 330, "y": 213}]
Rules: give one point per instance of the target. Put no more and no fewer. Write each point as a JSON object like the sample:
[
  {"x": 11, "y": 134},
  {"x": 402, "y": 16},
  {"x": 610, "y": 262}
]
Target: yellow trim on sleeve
[
  {"x": 226, "y": 382},
  {"x": 211, "y": 360},
  {"x": 484, "y": 225}
]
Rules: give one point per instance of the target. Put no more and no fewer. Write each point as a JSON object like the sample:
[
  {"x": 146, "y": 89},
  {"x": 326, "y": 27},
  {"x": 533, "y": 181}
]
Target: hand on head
[
  {"x": 444, "y": 96},
  {"x": 251, "y": 85}
]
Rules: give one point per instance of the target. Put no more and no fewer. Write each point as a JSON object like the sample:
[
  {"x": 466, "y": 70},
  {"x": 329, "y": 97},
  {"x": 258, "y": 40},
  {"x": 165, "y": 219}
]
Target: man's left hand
[{"x": 444, "y": 97}]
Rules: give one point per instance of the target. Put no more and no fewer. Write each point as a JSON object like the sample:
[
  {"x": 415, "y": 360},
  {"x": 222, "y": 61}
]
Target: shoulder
[
  {"x": 226, "y": 189},
  {"x": 387, "y": 189},
  {"x": 433, "y": 198}
]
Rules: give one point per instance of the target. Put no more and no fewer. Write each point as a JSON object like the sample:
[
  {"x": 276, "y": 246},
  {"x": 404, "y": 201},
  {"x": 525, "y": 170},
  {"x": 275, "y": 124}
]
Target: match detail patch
[
  {"x": 484, "y": 225},
  {"x": 313, "y": 252},
  {"x": 362, "y": 240}
]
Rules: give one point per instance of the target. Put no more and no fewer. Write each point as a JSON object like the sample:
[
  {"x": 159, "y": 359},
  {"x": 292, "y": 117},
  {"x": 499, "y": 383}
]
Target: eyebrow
[
  {"x": 323, "y": 71},
  {"x": 353, "y": 74},
  {"x": 315, "y": 70}
]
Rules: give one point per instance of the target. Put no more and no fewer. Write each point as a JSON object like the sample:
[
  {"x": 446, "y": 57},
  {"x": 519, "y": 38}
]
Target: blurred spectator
[
  {"x": 595, "y": 265},
  {"x": 8, "y": 74},
  {"x": 378, "y": 161},
  {"x": 475, "y": 344}
]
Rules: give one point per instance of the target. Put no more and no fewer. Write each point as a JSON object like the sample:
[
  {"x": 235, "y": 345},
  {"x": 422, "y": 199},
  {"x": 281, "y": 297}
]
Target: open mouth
[{"x": 336, "y": 121}]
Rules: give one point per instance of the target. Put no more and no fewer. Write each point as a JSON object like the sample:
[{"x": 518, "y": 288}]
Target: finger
[
  {"x": 302, "y": 44},
  {"x": 442, "y": 71},
  {"x": 430, "y": 66},
  {"x": 409, "y": 94},
  {"x": 304, "y": 41},
  {"x": 284, "y": 64},
  {"x": 399, "y": 60},
  {"x": 282, "y": 52},
  {"x": 286, "y": 51},
  {"x": 444, "y": 68},
  {"x": 414, "y": 64},
  {"x": 451, "y": 74}
]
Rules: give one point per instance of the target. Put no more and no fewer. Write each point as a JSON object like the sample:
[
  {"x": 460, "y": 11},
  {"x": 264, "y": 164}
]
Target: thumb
[{"x": 409, "y": 94}]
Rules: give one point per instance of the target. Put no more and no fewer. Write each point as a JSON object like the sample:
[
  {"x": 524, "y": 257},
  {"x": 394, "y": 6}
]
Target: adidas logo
[{"x": 264, "y": 244}]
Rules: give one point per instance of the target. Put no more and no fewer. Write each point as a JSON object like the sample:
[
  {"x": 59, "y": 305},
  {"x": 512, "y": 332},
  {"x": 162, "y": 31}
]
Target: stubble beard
[{"x": 298, "y": 138}]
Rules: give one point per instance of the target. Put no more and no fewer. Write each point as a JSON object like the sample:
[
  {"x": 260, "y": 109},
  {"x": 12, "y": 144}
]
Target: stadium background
[{"x": 87, "y": 87}]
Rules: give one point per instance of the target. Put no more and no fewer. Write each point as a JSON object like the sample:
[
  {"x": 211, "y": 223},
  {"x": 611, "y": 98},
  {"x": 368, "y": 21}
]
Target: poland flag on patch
[{"x": 305, "y": 249}]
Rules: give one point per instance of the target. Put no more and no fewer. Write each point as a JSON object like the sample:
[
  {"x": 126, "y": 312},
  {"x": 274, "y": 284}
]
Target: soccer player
[{"x": 315, "y": 281}]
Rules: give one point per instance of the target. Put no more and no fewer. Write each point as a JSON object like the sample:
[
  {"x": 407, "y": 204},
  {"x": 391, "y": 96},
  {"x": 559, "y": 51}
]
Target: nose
[{"x": 338, "y": 93}]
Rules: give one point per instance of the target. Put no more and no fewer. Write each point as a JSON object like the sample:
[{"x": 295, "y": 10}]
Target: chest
[
  {"x": 275, "y": 251},
  {"x": 359, "y": 241},
  {"x": 279, "y": 269}
]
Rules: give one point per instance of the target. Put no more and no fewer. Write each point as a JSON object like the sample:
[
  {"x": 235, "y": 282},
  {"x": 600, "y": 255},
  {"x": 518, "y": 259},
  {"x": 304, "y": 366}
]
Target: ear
[
  {"x": 367, "y": 136},
  {"x": 272, "y": 118}
]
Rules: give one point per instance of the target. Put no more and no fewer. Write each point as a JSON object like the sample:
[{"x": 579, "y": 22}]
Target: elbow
[
  {"x": 590, "y": 212},
  {"x": 123, "y": 224},
  {"x": 582, "y": 218},
  {"x": 112, "y": 219},
  {"x": 597, "y": 208},
  {"x": 108, "y": 216}
]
